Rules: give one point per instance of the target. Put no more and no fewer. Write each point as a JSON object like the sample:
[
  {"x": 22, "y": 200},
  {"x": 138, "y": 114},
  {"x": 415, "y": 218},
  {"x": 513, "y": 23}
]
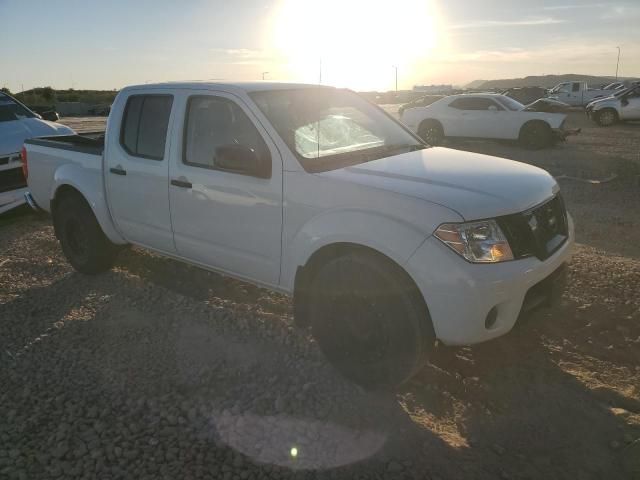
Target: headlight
[{"x": 478, "y": 242}]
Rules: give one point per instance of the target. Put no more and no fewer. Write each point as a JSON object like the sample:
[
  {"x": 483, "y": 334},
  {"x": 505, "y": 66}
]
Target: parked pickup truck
[
  {"x": 385, "y": 243},
  {"x": 576, "y": 94},
  {"x": 623, "y": 105}
]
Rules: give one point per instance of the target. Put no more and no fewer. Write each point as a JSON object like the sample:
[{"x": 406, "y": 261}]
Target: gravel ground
[{"x": 160, "y": 370}]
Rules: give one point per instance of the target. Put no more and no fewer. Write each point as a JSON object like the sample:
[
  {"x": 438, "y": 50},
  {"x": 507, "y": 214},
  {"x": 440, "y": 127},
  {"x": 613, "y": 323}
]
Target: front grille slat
[{"x": 537, "y": 232}]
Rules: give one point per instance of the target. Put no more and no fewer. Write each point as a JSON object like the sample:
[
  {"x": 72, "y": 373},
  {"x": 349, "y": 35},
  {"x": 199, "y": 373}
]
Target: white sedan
[{"x": 485, "y": 115}]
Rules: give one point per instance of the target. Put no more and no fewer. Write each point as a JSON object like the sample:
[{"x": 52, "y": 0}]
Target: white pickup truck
[
  {"x": 576, "y": 94},
  {"x": 386, "y": 244}
]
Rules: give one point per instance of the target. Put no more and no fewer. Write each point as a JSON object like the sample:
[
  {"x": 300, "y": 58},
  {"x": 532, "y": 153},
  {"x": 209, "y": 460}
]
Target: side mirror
[
  {"x": 242, "y": 159},
  {"x": 492, "y": 108},
  {"x": 50, "y": 116}
]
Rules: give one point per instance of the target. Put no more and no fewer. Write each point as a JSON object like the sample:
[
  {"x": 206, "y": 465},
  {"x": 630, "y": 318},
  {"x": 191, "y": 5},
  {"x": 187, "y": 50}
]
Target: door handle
[
  {"x": 118, "y": 170},
  {"x": 181, "y": 183}
]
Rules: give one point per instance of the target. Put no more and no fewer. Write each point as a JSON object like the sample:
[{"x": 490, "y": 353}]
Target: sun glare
[{"x": 356, "y": 43}]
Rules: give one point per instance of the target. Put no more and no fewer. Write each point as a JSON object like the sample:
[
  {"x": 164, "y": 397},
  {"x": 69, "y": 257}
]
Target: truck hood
[
  {"x": 13, "y": 133},
  {"x": 475, "y": 186},
  {"x": 610, "y": 100}
]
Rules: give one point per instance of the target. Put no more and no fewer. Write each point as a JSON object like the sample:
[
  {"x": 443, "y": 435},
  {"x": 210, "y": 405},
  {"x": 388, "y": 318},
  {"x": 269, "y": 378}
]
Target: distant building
[{"x": 433, "y": 89}]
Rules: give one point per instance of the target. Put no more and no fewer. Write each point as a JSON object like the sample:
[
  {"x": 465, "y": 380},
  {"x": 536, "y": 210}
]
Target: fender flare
[
  {"x": 89, "y": 184},
  {"x": 389, "y": 236}
]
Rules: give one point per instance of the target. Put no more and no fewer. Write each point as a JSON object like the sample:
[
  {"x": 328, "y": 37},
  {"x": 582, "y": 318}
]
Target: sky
[{"x": 360, "y": 44}]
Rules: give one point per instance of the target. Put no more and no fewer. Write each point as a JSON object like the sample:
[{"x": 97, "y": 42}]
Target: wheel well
[
  {"x": 304, "y": 274},
  {"x": 61, "y": 192}
]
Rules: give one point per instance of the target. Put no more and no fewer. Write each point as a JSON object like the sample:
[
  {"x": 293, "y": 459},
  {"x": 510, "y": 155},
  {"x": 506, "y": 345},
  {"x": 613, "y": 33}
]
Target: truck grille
[{"x": 537, "y": 232}]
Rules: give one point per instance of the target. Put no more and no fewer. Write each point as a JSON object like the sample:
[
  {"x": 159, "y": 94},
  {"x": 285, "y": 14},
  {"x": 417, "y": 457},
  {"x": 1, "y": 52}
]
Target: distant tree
[
  {"x": 48, "y": 93},
  {"x": 5, "y": 90}
]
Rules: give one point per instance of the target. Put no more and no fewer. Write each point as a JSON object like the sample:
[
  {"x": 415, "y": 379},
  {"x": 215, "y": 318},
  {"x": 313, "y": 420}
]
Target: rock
[
  {"x": 627, "y": 438},
  {"x": 394, "y": 467},
  {"x": 498, "y": 449},
  {"x": 614, "y": 444}
]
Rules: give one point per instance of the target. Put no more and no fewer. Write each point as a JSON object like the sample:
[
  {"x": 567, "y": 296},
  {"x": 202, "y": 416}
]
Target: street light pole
[
  {"x": 618, "y": 63},
  {"x": 396, "y": 69},
  {"x": 263, "y": 74}
]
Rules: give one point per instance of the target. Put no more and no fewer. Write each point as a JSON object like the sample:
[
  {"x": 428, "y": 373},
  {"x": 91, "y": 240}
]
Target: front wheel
[
  {"x": 83, "y": 242},
  {"x": 431, "y": 131},
  {"x": 536, "y": 135},
  {"x": 369, "y": 319},
  {"x": 606, "y": 117}
]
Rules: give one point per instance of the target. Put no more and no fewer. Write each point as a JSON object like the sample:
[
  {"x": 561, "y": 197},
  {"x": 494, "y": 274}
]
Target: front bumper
[
  {"x": 561, "y": 134},
  {"x": 460, "y": 294}
]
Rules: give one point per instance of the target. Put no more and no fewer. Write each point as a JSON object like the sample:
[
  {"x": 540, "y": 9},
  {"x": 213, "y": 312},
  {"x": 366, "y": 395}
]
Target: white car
[
  {"x": 17, "y": 123},
  {"x": 485, "y": 115},
  {"x": 621, "y": 106},
  {"x": 385, "y": 243}
]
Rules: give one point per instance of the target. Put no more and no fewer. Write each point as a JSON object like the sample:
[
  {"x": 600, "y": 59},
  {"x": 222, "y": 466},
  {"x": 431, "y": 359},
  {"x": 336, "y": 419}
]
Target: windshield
[
  {"x": 510, "y": 103},
  {"x": 11, "y": 110},
  {"x": 329, "y": 128}
]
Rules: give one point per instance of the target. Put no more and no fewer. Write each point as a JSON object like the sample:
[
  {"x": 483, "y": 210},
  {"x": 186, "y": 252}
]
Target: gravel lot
[{"x": 160, "y": 370}]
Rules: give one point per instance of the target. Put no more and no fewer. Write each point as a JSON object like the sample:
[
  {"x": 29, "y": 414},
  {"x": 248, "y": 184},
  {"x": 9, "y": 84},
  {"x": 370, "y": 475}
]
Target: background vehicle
[
  {"x": 420, "y": 102},
  {"x": 485, "y": 115},
  {"x": 576, "y": 94},
  {"x": 525, "y": 95},
  {"x": 314, "y": 192},
  {"x": 17, "y": 123},
  {"x": 623, "y": 105}
]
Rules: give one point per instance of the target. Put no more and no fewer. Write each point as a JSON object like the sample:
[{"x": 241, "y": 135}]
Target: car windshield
[
  {"x": 11, "y": 110},
  {"x": 510, "y": 103},
  {"x": 329, "y": 128}
]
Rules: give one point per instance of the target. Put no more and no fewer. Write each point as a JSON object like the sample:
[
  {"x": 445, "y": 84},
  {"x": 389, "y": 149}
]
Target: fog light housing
[{"x": 491, "y": 318}]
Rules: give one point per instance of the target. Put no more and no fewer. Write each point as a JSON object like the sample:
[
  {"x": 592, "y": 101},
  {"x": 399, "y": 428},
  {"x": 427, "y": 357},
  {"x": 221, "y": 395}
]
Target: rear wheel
[
  {"x": 536, "y": 135},
  {"x": 83, "y": 242},
  {"x": 431, "y": 131},
  {"x": 369, "y": 319},
  {"x": 607, "y": 117}
]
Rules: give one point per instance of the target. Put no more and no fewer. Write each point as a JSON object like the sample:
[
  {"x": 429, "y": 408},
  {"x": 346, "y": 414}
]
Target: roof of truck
[{"x": 246, "y": 86}]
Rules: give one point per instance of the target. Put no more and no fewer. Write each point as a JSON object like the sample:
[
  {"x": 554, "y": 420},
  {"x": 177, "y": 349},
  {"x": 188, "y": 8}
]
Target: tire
[
  {"x": 431, "y": 131},
  {"x": 369, "y": 319},
  {"x": 607, "y": 117},
  {"x": 535, "y": 135},
  {"x": 83, "y": 242}
]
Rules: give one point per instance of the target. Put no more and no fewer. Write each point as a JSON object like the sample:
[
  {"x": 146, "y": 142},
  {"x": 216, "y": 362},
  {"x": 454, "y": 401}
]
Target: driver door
[
  {"x": 630, "y": 105},
  {"x": 226, "y": 220}
]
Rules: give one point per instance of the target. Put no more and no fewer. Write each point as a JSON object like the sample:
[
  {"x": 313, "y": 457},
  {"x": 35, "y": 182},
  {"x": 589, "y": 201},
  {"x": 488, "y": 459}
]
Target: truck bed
[{"x": 91, "y": 143}]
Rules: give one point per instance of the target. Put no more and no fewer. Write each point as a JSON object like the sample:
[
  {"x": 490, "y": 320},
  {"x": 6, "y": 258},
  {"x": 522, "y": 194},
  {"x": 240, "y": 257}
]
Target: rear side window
[
  {"x": 576, "y": 87},
  {"x": 473, "y": 103},
  {"x": 144, "y": 125}
]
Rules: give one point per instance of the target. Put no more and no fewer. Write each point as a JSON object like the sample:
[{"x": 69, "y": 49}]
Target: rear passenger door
[
  {"x": 137, "y": 169},
  {"x": 224, "y": 219}
]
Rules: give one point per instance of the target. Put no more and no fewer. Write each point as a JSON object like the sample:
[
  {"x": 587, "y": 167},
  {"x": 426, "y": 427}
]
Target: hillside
[
  {"x": 49, "y": 96},
  {"x": 542, "y": 81}
]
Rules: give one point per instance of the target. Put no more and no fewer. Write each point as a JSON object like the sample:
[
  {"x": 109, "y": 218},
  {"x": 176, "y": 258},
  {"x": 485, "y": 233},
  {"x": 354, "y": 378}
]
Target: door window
[
  {"x": 575, "y": 87},
  {"x": 144, "y": 125},
  {"x": 213, "y": 122},
  {"x": 474, "y": 103}
]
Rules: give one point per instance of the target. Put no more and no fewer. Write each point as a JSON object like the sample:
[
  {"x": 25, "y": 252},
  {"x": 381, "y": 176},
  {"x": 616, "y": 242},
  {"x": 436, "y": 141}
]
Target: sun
[{"x": 356, "y": 43}]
